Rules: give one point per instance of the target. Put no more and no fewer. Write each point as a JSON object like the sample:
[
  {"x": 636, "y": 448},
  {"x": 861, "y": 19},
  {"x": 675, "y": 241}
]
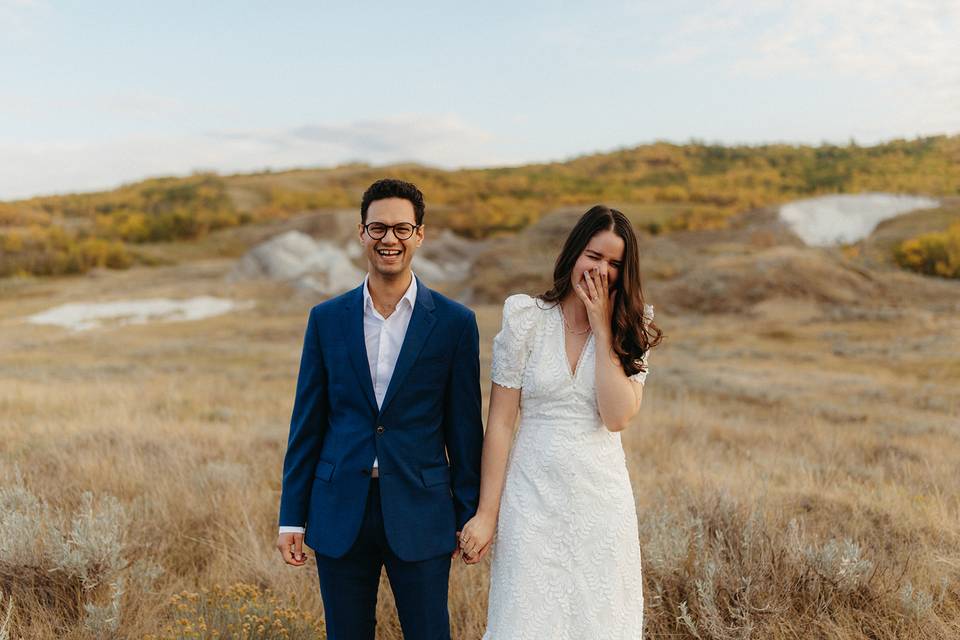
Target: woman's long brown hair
[{"x": 632, "y": 334}]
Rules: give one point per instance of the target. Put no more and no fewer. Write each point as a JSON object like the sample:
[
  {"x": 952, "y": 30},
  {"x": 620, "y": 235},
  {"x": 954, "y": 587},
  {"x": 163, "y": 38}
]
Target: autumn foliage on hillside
[{"x": 699, "y": 185}]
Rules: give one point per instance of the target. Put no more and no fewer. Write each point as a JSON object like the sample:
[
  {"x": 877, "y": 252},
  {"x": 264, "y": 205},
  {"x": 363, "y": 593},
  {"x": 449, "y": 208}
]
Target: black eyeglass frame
[{"x": 391, "y": 227}]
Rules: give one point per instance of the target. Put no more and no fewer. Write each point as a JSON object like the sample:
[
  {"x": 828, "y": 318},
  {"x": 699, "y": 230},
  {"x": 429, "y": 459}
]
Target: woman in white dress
[{"x": 572, "y": 362}]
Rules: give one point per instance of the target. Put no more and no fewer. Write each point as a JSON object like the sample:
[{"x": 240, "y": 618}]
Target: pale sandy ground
[{"x": 850, "y": 426}]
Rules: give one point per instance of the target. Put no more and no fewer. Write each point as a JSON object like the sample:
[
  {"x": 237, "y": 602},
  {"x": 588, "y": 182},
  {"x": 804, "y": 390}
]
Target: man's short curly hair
[{"x": 392, "y": 188}]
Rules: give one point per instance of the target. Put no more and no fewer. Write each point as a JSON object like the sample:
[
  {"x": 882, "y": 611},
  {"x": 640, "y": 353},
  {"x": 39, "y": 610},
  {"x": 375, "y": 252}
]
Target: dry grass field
[{"x": 796, "y": 466}]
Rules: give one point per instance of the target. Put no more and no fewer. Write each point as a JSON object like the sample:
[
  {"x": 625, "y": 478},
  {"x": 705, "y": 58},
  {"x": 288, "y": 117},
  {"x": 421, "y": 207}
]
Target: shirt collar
[{"x": 410, "y": 295}]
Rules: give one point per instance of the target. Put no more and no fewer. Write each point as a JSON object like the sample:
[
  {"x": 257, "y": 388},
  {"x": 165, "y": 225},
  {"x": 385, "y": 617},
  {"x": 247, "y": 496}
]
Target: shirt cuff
[{"x": 284, "y": 530}]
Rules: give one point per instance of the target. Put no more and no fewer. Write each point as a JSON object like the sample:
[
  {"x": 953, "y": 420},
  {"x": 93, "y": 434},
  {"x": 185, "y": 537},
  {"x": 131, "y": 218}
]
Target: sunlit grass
[{"x": 783, "y": 490}]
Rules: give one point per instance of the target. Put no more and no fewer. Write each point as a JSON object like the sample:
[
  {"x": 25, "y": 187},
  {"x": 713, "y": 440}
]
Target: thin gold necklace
[{"x": 567, "y": 327}]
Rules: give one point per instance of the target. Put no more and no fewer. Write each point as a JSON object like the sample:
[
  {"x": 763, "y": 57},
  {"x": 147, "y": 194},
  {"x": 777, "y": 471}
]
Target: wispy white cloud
[
  {"x": 879, "y": 38},
  {"x": 445, "y": 140},
  {"x": 141, "y": 103},
  {"x": 17, "y": 105},
  {"x": 21, "y": 20},
  {"x": 380, "y": 140},
  {"x": 907, "y": 47}
]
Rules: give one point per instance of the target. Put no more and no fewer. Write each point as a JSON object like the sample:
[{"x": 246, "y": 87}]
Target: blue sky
[{"x": 98, "y": 93}]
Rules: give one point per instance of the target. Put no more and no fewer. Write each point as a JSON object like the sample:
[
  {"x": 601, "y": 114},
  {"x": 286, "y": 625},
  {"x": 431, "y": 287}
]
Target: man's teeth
[{"x": 385, "y": 252}]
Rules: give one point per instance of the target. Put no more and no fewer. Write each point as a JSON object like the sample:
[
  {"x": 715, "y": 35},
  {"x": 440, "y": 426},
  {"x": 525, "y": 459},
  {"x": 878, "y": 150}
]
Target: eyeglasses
[{"x": 402, "y": 231}]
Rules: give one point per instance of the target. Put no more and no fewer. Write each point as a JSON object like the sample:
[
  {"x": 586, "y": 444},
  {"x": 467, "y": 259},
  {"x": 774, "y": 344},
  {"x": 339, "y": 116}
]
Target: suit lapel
[
  {"x": 421, "y": 324},
  {"x": 357, "y": 344}
]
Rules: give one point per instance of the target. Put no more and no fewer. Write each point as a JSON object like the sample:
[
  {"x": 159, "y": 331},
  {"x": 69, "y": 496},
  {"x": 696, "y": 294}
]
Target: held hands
[
  {"x": 593, "y": 289},
  {"x": 291, "y": 548},
  {"x": 473, "y": 542},
  {"x": 476, "y": 538}
]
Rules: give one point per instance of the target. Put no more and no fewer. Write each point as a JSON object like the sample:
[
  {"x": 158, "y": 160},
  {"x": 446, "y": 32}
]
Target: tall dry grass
[{"x": 794, "y": 477}]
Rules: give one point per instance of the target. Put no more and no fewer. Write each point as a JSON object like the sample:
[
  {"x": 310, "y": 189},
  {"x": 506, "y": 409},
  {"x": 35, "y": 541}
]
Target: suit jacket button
[{"x": 380, "y": 428}]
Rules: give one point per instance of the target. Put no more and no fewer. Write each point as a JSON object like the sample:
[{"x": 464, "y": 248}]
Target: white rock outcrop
[
  {"x": 316, "y": 266},
  {"x": 836, "y": 219}
]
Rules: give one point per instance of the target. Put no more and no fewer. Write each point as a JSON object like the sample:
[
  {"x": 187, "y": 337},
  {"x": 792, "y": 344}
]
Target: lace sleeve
[
  {"x": 641, "y": 377},
  {"x": 512, "y": 345}
]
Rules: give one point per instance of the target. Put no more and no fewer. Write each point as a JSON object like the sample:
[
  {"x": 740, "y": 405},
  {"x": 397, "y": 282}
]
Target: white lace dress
[{"x": 566, "y": 560}]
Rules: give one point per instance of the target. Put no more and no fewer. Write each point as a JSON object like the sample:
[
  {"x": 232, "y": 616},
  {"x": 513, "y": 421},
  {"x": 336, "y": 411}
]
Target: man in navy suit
[{"x": 383, "y": 459}]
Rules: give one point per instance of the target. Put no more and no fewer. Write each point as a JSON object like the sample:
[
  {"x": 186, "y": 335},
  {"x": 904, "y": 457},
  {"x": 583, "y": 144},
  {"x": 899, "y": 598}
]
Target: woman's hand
[
  {"x": 594, "y": 291},
  {"x": 476, "y": 537}
]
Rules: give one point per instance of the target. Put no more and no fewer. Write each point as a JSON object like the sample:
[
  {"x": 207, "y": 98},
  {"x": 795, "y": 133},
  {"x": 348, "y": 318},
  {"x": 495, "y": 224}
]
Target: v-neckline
[{"x": 563, "y": 348}]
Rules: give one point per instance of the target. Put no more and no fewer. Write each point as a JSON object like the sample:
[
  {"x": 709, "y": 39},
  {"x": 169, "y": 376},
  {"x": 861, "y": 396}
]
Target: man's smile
[{"x": 389, "y": 254}]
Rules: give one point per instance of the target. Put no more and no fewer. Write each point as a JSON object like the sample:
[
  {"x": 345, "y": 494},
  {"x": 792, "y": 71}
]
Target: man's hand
[
  {"x": 479, "y": 556},
  {"x": 291, "y": 548},
  {"x": 456, "y": 552}
]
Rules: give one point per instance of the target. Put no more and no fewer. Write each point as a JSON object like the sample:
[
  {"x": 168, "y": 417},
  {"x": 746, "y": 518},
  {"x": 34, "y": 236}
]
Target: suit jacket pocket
[
  {"x": 324, "y": 471},
  {"x": 435, "y": 475}
]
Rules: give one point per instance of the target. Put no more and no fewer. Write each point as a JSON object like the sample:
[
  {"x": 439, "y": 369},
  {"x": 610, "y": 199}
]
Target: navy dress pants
[{"x": 349, "y": 585}]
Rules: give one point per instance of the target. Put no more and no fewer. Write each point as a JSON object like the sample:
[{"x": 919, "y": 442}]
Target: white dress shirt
[{"x": 383, "y": 338}]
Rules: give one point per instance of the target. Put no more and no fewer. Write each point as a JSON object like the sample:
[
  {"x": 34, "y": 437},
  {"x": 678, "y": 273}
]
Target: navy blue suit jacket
[{"x": 427, "y": 436}]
